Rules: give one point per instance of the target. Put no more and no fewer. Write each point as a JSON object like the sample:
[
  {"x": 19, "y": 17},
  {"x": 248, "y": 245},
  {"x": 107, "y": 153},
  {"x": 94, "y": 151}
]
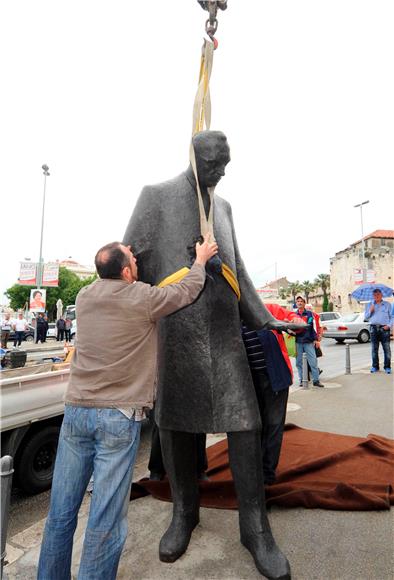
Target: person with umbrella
[{"x": 378, "y": 313}]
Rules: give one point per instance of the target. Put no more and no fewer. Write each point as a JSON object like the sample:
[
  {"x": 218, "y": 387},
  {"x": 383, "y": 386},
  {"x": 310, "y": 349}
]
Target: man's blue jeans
[
  {"x": 309, "y": 349},
  {"x": 105, "y": 442},
  {"x": 382, "y": 336}
]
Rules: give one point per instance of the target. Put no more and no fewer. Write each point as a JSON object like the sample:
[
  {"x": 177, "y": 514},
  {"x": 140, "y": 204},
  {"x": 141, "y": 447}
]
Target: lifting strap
[{"x": 201, "y": 121}]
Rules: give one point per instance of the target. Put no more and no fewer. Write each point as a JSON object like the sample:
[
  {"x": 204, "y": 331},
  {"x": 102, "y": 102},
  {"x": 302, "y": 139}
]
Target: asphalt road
[{"x": 27, "y": 510}]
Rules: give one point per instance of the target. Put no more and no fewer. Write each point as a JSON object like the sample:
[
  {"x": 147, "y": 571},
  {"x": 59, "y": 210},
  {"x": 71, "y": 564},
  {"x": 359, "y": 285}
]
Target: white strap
[{"x": 201, "y": 119}]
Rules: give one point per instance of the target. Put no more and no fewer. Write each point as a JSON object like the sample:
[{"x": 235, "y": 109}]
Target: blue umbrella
[{"x": 365, "y": 291}]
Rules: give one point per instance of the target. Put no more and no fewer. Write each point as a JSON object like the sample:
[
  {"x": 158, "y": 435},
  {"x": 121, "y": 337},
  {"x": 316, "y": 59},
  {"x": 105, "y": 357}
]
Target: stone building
[
  {"x": 81, "y": 271},
  {"x": 346, "y": 268}
]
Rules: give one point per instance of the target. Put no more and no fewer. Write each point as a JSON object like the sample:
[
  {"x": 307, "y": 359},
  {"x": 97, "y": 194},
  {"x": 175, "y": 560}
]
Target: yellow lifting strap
[
  {"x": 201, "y": 121},
  {"x": 227, "y": 273}
]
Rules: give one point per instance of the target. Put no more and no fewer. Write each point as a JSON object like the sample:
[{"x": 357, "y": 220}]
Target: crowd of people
[{"x": 19, "y": 326}]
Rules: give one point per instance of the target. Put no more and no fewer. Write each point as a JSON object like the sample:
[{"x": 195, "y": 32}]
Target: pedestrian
[
  {"x": 319, "y": 332},
  {"x": 20, "y": 326},
  {"x": 6, "y": 327},
  {"x": 61, "y": 326},
  {"x": 306, "y": 341},
  {"x": 110, "y": 385},
  {"x": 41, "y": 328},
  {"x": 379, "y": 314},
  {"x": 67, "y": 328},
  {"x": 272, "y": 375}
]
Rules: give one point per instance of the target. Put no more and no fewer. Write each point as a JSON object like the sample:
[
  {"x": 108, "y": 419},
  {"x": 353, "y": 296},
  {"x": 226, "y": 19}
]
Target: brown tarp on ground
[{"x": 316, "y": 470}]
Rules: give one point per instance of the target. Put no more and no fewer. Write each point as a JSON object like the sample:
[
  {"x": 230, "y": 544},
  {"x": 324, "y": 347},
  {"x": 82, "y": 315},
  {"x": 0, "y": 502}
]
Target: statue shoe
[
  {"x": 176, "y": 539},
  {"x": 269, "y": 560}
]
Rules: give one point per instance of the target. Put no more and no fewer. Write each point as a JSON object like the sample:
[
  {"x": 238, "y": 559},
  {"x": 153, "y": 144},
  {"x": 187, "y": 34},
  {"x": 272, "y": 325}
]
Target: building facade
[{"x": 347, "y": 269}]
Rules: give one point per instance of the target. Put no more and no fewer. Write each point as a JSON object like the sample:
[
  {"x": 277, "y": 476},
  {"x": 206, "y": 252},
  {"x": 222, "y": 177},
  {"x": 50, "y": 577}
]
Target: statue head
[{"x": 212, "y": 155}]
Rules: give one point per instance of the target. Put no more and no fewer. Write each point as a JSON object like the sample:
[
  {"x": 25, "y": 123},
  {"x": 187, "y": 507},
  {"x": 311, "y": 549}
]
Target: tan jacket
[{"x": 116, "y": 353}]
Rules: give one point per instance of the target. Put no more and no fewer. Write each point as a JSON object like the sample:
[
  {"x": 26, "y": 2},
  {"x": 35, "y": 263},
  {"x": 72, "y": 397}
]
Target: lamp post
[
  {"x": 45, "y": 169},
  {"x": 360, "y": 205}
]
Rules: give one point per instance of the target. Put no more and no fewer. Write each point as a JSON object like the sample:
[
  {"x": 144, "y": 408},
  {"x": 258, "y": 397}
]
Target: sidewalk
[{"x": 320, "y": 544}]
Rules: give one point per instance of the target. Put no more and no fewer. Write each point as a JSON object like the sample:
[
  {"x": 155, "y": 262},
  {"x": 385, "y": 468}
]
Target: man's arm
[{"x": 369, "y": 308}]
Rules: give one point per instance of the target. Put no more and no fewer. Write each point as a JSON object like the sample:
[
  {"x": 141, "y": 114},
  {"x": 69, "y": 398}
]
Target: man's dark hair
[{"x": 110, "y": 261}]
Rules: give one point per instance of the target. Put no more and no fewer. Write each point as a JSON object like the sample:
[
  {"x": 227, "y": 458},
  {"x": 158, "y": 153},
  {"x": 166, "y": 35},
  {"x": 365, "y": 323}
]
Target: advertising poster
[
  {"x": 28, "y": 274},
  {"x": 50, "y": 276},
  {"x": 37, "y": 300}
]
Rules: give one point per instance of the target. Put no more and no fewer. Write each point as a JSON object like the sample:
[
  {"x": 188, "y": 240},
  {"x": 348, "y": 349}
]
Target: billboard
[
  {"x": 50, "y": 275},
  {"x": 28, "y": 274},
  {"x": 37, "y": 300}
]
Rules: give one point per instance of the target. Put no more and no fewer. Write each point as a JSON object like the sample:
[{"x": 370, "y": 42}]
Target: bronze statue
[{"x": 204, "y": 381}]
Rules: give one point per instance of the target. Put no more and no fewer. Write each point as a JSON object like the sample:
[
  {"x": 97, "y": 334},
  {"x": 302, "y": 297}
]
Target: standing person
[
  {"x": 6, "y": 327},
  {"x": 67, "y": 328},
  {"x": 109, "y": 387},
  {"x": 272, "y": 375},
  {"x": 319, "y": 332},
  {"x": 378, "y": 313},
  {"x": 41, "y": 328},
  {"x": 306, "y": 341},
  {"x": 61, "y": 326},
  {"x": 20, "y": 326}
]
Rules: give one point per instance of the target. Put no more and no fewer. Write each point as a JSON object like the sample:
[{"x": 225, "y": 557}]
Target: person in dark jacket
[
  {"x": 61, "y": 327},
  {"x": 272, "y": 376},
  {"x": 41, "y": 328},
  {"x": 306, "y": 341}
]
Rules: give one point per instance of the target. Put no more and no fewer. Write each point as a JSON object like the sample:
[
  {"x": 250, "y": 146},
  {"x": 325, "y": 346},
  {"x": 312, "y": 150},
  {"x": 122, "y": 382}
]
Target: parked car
[
  {"x": 28, "y": 336},
  {"x": 74, "y": 329},
  {"x": 52, "y": 330},
  {"x": 327, "y": 316},
  {"x": 348, "y": 326}
]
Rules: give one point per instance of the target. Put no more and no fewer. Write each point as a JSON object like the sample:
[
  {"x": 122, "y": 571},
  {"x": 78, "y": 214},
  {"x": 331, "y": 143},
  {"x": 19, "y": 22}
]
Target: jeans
[
  {"x": 19, "y": 336},
  {"x": 272, "y": 406},
  {"x": 103, "y": 442},
  {"x": 378, "y": 335},
  {"x": 309, "y": 349}
]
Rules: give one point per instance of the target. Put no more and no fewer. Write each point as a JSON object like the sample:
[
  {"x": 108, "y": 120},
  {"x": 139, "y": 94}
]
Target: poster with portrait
[{"x": 37, "y": 300}]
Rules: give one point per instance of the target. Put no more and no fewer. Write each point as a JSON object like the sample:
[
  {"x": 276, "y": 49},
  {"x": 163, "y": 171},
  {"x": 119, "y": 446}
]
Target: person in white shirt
[
  {"x": 19, "y": 325},
  {"x": 6, "y": 327}
]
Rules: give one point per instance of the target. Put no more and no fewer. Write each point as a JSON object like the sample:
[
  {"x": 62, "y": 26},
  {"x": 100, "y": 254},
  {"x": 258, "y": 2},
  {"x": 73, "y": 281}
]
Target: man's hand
[
  {"x": 372, "y": 308},
  {"x": 206, "y": 250}
]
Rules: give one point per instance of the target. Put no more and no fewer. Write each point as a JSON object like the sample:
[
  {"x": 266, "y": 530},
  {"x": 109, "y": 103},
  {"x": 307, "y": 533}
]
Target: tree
[
  {"x": 283, "y": 293},
  {"x": 323, "y": 281},
  {"x": 307, "y": 287},
  {"x": 294, "y": 289},
  {"x": 69, "y": 286}
]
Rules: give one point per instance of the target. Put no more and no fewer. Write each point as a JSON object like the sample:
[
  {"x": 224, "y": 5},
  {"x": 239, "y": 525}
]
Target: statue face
[{"x": 211, "y": 159}]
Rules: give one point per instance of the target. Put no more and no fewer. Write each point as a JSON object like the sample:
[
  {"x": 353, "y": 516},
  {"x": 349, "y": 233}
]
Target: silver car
[{"x": 347, "y": 326}]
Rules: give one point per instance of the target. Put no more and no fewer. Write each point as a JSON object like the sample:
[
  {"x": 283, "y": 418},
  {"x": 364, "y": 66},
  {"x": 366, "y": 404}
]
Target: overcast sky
[{"x": 102, "y": 92}]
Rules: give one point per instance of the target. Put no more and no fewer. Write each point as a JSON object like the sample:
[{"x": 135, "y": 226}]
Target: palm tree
[
  {"x": 283, "y": 293},
  {"x": 323, "y": 281},
  {"x": 294, "y": 288},
  {"x": 307, "y": 288}
]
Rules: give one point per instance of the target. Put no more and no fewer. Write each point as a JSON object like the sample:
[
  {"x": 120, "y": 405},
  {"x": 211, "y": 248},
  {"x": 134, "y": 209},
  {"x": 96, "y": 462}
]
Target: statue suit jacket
[{"x": 204, "y": 382}]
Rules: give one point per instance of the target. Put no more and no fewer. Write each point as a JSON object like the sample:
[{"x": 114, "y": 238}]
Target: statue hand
[{"x": 282, "y": 326}]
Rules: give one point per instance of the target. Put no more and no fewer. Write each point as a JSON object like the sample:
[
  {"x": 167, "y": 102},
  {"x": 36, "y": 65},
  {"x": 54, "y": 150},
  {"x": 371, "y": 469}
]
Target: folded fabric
[{"x": 316, "y": 470}]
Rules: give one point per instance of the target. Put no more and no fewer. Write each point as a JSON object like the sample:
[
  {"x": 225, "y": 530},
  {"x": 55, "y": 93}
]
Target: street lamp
[
  {"x": 45, "y": 169},
  {"x": 360, "y": 205}
]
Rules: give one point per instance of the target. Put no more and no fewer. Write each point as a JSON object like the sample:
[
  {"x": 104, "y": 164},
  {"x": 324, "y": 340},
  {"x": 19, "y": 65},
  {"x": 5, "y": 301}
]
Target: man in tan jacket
[{"x": 111, "y": 383}]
